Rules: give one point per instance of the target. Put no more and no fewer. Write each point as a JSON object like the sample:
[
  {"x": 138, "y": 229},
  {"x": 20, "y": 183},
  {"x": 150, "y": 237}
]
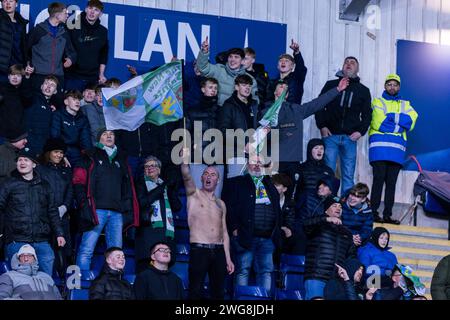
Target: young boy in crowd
[
  {"x": 14, "y": 97},
  {"x": 357, "y": 213},
  {"x": 39, "y": 115},
  {"x": 88, "y": 94},
  {"x": 94, "y": 113},
  {"x": 70, "y": 125}
]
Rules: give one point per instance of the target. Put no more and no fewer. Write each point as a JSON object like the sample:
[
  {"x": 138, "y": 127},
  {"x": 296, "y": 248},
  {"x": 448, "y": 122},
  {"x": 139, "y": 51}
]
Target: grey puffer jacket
[{"x": 25, "y": 282}]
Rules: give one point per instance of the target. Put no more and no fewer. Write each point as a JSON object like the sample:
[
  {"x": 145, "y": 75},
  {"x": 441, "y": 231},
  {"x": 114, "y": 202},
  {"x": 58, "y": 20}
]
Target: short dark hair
[
  {"x": 360, "y": 189},
  {"x": 52, "y": 78},
  {"x": 283, "y": 179},
  {"x": 204, "y": 81},
  {"x": 16, "y": 69},
  {"x": 75, "y": 94},
  {"x": 111, "y": 250},
  {"x": 250, "y": 52},
  {"x": 96, "y": 4},
  {"x": 91, "y": 86},
  {"x": 237, "y": 51},
  {"x": 98, "y": 88},
  {"x": 243, "y": 79},
  {"x": 111, "y": 81},
  {"x": 56, "y": 7}
]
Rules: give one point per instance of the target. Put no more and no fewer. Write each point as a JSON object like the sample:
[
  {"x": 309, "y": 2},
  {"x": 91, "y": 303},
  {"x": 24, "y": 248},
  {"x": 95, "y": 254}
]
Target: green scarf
[
  {"x": 156, "y": 218},
  {"x": 111, "y": 152},
  {"x": 261, "y": 192}
]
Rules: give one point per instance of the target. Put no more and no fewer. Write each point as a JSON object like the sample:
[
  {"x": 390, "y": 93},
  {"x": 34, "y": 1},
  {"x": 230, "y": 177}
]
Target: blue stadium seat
[
  {"x": 87, "y": 276},
  {"x": 97, "y": 262},
  {"x": 128, "y": 251},
  {"x": 130, "y": 266},
  {"x": 130, "y": 278},
  {"x": 4, "y": 267},
  {"x": 182, "y": 254},
  {"x": 292, "y": 268},
  {"x": 181, "y": 270},
  {"x": 182, "y": 235},
  {"x": 288, "y": 295},
  {"x": 79, "y": 294},
  {"x": 251, "y": 293}
]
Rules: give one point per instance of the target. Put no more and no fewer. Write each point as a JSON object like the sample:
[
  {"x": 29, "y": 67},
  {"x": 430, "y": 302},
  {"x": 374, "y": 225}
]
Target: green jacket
[
  {"x": 224, "y": 76},
  {"x": 440, "y": 284}
]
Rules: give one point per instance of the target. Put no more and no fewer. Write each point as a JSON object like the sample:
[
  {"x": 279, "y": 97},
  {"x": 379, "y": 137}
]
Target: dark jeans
[
  {"x": 209, "y": 261},
  {"x": 384, "y": 172}
]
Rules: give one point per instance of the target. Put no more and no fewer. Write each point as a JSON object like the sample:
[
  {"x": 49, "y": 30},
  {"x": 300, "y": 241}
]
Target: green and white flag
[
  {"x": 155, "y": 97},
  {"x": 270, "y": 120}
]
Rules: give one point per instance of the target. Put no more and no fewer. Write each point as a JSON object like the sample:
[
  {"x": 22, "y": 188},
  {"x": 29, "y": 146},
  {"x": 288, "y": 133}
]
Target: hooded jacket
[
  {"x": 154, "y": 284},
  {"x": 7, "y": 39},
  {"x": 91, "y": 45},
  {"x": 338, "y": 289},
  {"x": 290, "y": 124},
  {"x": 372, "y": 254},
  {"x": 224, "y": 75},
  {"x": 25, "y": 282},
  {"x": 48, "y": 53},
  {"x": 350, "y": 111},
  {"x": 311, "y": 171},
  {"x": 110, "y": 285},
  {"x": 29, "y": 210}
]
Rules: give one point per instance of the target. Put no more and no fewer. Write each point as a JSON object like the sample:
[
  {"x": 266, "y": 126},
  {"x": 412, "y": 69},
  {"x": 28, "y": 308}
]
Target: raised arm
[{"x": 189, "y": 183}]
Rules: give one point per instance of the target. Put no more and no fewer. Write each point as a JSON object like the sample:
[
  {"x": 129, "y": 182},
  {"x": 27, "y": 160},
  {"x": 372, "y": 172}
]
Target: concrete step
[
  {"x": 415, "y": 231},
  {"x": 419, "y": 254},
  {"x": 419, "y": 242},
  {"x": 419, "y": 264}
]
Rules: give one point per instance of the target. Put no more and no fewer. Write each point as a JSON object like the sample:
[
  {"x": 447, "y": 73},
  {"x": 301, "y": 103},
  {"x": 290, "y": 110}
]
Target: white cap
[{"x": 26, "y": 249}]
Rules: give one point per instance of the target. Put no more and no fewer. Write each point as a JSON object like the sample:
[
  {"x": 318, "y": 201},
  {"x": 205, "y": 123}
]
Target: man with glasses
[
  {"x": 392, "y": 118},
  {"x": 50, "y": 47},
  {"x": 357, "y": 214},
  {"x": 105, "y": 195},
  {"x": 157, "y": 282},
  {"x": 209, "y": 240}
]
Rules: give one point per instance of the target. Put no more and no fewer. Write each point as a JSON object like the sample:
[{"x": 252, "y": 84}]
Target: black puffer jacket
[
  {"x": 60, "y": 180},
  {"x": 327, "y": 244},
  {"x": 7, "y": 39},
  {"x": 109, "y": 285},
  {"x": 312, "y": 170},
  {"x": 28, "y": 210}
]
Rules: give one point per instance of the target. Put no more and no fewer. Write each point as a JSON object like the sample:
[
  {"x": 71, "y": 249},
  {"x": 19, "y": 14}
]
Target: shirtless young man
[{"x": 209, "y": 240}]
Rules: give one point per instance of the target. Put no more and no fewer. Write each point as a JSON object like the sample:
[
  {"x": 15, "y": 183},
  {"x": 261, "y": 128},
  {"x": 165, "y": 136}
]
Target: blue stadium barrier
[{"x": 288, "y": 295}]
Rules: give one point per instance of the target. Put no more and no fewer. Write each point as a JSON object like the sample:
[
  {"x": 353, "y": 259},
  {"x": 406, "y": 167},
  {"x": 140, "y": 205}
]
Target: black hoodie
[
  {"x": 91, "y": 44},
  {"x": 155, "y": 284},
  {"x": 349, "y": 112},
  {"x": 311, "y": 171}
]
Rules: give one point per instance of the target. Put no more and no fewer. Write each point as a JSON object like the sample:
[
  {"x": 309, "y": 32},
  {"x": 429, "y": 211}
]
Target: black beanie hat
[
  {"x": 376, "y": 233},
  {"x": 329, "y": 201},
  {"x": 27, "y": 153},
  {"x": 55, "y": 144},
  {"x": 100, "y": 132}
]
